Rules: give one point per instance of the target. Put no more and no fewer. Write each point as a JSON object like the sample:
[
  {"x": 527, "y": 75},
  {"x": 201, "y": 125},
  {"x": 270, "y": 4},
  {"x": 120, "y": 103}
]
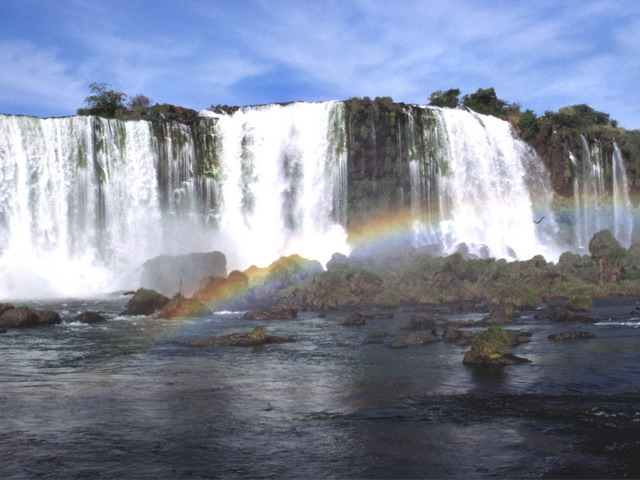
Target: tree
[
  {"x": 485, "y": 101},
  {"x": 104, "y": 102},
  {"x": 139, "y": 101},
  {"x": 528, "y": 125},
  {"x": 448, "y": 98},
  {"x": 580, "y": 116}
]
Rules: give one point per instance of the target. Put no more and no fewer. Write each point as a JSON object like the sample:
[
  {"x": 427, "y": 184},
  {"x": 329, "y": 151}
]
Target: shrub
[
  {"x": 604, "y": 245},
  {"x": 491, "y": 342},
  {"x": 580, "y": 302},
  {"x": 519, "y": 295},
  {"x": 528, "y": 125},
  {"x": 259, "y": 333}
]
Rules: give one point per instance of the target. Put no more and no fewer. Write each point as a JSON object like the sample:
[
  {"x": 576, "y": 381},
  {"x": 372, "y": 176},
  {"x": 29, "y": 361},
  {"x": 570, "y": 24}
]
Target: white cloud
[{"x": 32, "y": 75}]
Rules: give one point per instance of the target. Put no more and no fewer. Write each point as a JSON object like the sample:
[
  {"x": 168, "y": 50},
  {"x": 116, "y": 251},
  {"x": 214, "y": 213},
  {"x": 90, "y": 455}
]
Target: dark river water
[{"x": 129, "y": 399}]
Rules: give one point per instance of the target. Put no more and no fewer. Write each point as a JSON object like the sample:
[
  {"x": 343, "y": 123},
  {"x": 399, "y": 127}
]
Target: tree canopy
[
  {"x": 105, "y": 100},
  {"x": 485, "y": 101},
  {"x": 448, "y": 98}
]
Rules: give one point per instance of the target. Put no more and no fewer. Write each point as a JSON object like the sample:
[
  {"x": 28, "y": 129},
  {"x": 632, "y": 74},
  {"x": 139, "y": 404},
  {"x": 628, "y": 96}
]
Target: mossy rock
[{"x": 491, "y": 342}]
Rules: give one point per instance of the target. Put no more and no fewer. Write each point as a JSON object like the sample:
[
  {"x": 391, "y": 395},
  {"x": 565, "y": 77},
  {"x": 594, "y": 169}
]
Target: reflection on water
[{"x": 127, "y": 398}]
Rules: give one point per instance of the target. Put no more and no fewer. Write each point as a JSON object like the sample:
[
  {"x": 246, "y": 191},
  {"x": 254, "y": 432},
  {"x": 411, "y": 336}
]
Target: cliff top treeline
[{"x": 375, "y": 125}]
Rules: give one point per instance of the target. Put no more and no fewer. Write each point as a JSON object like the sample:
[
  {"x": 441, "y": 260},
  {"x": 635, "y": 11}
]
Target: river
[{"x": 128, "y": 398}]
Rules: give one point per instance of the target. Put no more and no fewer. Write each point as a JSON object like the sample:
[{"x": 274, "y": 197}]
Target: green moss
[{"x": 491, "y": 342}]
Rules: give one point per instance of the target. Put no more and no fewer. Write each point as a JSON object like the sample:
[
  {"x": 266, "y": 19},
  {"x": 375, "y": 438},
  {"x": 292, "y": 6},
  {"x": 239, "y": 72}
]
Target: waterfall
[
  {"x": 283, "y": 183},
  {"x": 84, "y": 201},
  {"x": 622, "y": 209},
  {"x": 601, "y": 201},
  {"x": 488, "y": 186}
]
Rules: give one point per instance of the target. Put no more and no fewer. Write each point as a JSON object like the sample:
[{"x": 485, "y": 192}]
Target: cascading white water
[
  {"x": 283, "y": 182},
  {"x": 85, "y": 201},
  {"x": 487, "y": 184},
  {"x": 622, "y": 208},
  {"x": 77, "y": 203},
  {"x": 598, "y": 204}
]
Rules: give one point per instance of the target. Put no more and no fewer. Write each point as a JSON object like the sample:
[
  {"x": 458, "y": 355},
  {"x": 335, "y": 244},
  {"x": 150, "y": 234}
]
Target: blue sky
[{"x": 197, "y": 53}]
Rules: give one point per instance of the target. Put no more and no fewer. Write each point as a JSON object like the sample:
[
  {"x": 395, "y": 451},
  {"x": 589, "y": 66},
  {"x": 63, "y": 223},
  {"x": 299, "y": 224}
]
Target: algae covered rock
[
  {"x": 275, "y": 313},
  {"x": 180, "y": 306},
  {"x": 145, "y": 302}
]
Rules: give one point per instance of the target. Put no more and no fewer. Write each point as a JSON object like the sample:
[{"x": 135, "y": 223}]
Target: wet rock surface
[{"x": 571, "y": 335}]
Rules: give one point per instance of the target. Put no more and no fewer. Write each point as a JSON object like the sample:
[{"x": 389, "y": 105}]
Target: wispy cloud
[
  {"x": 544, "y": 54},
  {"x": 32, "y": 77}
]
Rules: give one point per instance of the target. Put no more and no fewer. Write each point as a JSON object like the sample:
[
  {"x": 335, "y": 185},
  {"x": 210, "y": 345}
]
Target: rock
[
  {"x": 25, "y": 317},
  {"x": 184, "y": 307},
  {"x": 90, "y": 317},
  {"x": 21, "y": 317},
  {"x": 219, "y": 292},
  {"x": 237, "y": 340},
  {"x": 501, "y": 315},
  {"x": 517, "y": 337},
  {"x": 420, "y": 338},
  {"x": 48, "y": 317},
  {"x": 379, "y": 316},
  {"x": 459, "y": 337},
  {"x": 4, "y": 307},
  {"x": 166, "y": 272},
  {"x": 421, "y": 322},
  {"x": 473, "y": 358},
  {"x": 563, "y": 314},
  {"x": 275, "y": 313},
  {"x": 3, "y": 330},
  {"x": 399, "y": 344},
  {"x": 354, "y": 320},
  {"x": 571, "y": 335},
  {"x": 380, "y": 335},
  {"x": 145, "y": 302}
]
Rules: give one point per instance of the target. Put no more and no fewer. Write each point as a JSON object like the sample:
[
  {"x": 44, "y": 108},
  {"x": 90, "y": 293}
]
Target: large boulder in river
[
  {"x": 25, "y": 317},
  {"x": 415, "y": 339},
  {"x": 169, "y": 274},
  {"x": 354, "y": 320},
  {"x": 275, "y": 313},
  {"x": 571, "y": 335},
  {"x": 5, "y": 306},
  {"x": 90, "y": 317},
  {"x": 145, "y": 302},
  {"x": 180, "y": 306},
  {"x": 563, "y": 314},
  {"x": 219, "y": 292},
  {"x": 457, "y": 336},
  {"x": 253, "y": 339},
  {"x": 422, "y": 322}
]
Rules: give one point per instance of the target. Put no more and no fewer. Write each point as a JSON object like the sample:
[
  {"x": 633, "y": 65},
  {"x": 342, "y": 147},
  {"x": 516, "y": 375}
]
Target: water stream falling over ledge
[{"x": 84, "y": 201}]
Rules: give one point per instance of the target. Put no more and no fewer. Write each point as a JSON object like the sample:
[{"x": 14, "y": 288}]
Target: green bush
[
  {"x": 580, "y": 302},
  {"x": 491, "y": 342},
  {"x": 259, "y": 334},
  {"x": 528, "y": 125},
  {"x": 448, "y": 98}
]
